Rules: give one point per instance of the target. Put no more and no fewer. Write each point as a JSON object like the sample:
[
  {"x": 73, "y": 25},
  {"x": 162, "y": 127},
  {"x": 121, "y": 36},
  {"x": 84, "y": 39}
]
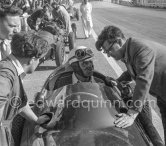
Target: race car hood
[{"x": 87, "y": 114}]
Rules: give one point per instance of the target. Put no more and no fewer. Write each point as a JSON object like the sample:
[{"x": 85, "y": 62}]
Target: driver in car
[
  {"x": 81, "y": 61},
  {"x": 80, "y": 68}
]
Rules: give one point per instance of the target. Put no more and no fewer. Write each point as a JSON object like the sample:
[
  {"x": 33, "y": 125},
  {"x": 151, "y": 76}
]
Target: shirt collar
[
  {"x": 75, "y": 79},
  {"x": 5, "y": 41},
  {"x": 17, "y": 65}
]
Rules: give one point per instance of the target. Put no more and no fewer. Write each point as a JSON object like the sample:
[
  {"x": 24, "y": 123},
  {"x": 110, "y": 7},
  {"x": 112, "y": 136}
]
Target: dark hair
[
  {"x": 109, "y": 32},
  {"x": 55, "y": 4},
  {"x": 9, "y": 10},
  {"x": 28, "y": 45},
  {"x": 47, "y": 6}
]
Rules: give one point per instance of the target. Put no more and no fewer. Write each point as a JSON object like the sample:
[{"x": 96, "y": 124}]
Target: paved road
[{"x": 137, "y": 22}]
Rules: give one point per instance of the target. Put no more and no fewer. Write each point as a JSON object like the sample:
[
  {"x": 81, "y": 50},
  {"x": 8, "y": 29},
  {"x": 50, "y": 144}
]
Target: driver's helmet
[{"x": 80, "y": 53}]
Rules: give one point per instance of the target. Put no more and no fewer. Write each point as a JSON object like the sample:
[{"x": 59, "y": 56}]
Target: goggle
[{"x": 82, "y": 53}]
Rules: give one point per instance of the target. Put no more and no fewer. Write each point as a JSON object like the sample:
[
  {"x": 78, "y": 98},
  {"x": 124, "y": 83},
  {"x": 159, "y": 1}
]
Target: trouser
[
  {"x": 162, "y": 107},
  {"x": 87, "y": 27},
  {"x": 145, "y": 118},
  {"x": 5, "y": 133}
]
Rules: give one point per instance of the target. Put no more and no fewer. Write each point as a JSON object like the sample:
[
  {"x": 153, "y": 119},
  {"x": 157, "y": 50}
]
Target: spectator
[
  {"x": 36, "y": 18},
  {"x": 27, "y": 49},
  {"x": 145, "y": 64},
  {"x": 86, "y": 10},
  {"x": 10, "y": 24}
]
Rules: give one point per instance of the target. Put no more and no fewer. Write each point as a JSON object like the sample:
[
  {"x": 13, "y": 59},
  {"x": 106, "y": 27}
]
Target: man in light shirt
[
  {"x": 10, "y": 24},
  {"x": 27, "y": 49},
  {"x": 86, "y": 10}
]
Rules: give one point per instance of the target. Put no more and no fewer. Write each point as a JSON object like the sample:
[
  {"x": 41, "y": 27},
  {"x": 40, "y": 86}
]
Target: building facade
[{"x": 152, "y": 3}]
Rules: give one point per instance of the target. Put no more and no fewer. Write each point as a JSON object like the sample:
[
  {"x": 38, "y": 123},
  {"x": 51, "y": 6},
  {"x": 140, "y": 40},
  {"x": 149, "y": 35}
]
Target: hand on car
[
  {"x": 110, "y": 81},
  {"x": 126, "y": 120}
]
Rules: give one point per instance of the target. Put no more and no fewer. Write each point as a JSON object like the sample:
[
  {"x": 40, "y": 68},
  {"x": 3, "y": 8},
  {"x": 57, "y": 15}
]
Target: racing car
[
  {"x": 82, "y": 114},
  {"x": 57, "y": 47}
]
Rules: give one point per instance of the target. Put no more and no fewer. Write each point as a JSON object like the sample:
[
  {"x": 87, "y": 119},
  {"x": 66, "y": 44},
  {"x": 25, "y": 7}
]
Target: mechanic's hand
[
  {"x": 124, "y": 120},
  {"x": 110, "y": 81}
]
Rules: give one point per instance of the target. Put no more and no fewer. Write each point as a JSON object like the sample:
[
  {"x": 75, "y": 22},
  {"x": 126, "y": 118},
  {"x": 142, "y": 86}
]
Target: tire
[
  {"x": 59, "y": 53},
  {"x": 71, "y": 39},
  {"x": 74, "y": 29},
  {"x": 77, "y": 15},
  {"x": 17, "y": 128}
]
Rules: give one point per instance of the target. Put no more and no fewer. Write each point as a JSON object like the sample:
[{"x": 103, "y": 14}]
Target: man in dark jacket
[
  {"x": 145, "y": 64},
  {"x": 26, "y": 52},
  {"x": 40, "y": 15}
]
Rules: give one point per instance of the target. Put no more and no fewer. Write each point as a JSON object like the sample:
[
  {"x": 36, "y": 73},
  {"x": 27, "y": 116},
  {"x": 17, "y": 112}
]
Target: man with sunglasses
[
  {"x": 145, "y": 63},
  {"x": 27, "y": 49}
]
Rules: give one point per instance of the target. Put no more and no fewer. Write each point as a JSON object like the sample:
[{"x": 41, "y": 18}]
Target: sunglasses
[
  {"x": 82, "y": 53},
  {"x": 110, "y": 47}
]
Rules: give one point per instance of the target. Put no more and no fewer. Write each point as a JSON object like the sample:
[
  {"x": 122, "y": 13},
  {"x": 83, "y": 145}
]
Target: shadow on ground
[{"x": 45, "y": 68}]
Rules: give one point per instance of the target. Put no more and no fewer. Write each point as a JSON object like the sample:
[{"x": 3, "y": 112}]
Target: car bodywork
[{"x": 82, "y": 114}]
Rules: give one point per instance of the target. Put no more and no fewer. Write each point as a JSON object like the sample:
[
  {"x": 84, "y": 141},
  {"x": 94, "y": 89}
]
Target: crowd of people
[{"x": 20, "y": 53}]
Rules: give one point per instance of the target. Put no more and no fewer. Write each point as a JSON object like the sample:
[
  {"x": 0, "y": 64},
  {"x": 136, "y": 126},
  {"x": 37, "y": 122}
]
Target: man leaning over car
[{"x": 145, "y": 63}]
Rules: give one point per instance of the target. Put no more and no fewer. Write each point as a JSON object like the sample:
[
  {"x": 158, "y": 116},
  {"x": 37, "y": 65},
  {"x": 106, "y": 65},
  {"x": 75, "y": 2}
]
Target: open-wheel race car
[
  {"x": 82, "y": 114},
  {"x": 57, "y": 48},
  {"x": 56, "y": 35}
]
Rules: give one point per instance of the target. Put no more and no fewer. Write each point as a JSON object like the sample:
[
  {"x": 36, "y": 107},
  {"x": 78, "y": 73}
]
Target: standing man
[
  {"x": 40, "y": 15},
  {"x": 9, "y": 24},
  {"x": 145, "y": 64},
  {"x": 86, "y": 10},
  {"x": 59, "y": 12},
  {"x": 27, "y": 49}
]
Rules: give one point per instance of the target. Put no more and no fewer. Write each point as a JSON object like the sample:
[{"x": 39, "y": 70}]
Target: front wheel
[
  {"x": 77, "y": 15},
  {"x": 74, "y": 29},
  {"x": 59, "y": 53},
  {"x": 17, "y": 129},
  {"x": 71, "y": 39}
]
